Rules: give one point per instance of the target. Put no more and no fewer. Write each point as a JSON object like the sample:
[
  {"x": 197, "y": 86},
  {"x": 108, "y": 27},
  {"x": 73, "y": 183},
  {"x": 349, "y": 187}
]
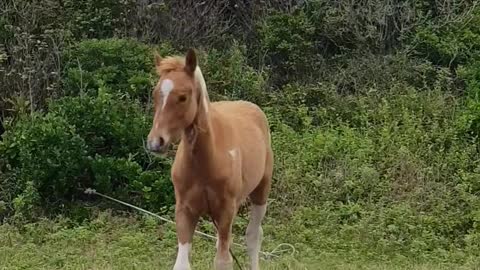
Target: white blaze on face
[{"x": 166, "y": 88}]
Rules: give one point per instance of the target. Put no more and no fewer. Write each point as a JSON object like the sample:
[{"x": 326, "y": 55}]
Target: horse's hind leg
[
  {"x": 254, "y": 234},
  {"x": 258, "y": 197}
]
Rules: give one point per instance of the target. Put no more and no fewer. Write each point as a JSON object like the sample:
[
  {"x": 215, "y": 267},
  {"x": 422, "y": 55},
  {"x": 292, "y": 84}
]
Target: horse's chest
[
  {"x": 196, "y": 187},
  {"x": 202, "y": 198},
  {"x": 213, "y": 182},
  {"x": 206, "y": 171}
]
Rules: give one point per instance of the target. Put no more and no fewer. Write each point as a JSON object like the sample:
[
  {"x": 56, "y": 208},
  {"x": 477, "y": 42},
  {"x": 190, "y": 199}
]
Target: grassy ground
[{"x": 126, "y": 242}]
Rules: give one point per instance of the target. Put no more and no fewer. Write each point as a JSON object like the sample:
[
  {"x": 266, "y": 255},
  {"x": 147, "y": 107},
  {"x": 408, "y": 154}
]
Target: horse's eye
[{"x": 182, "y": 98}]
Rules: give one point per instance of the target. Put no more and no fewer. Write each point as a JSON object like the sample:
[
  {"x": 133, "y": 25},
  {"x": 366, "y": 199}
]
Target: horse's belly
[
  {"x": 253, "y": 166},
  {"x": 247, "y": 143}
]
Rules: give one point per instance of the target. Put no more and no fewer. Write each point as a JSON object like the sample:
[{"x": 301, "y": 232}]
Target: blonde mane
[
  {"x": 169, "y": 64},
  {"x": 203, "y": 87},
  {"x": 177, "y": 63}
]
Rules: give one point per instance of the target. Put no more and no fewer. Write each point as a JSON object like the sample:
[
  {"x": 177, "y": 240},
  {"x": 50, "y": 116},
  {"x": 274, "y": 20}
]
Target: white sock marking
[
  {"x": 254, "y": 234},
  {"x": 183, "y": 262},
  {"x": 166, "y": 88}
]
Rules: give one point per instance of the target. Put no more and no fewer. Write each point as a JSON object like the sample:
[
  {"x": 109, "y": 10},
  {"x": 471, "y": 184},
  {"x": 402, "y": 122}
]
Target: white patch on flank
[
  {"x": 203, "y": 87},
  {"x": 254, "y": 234},
  {"x": 233, "y": 152},
  {"x": 182, "y": 262},
  {"x": 166, "y": 88}
]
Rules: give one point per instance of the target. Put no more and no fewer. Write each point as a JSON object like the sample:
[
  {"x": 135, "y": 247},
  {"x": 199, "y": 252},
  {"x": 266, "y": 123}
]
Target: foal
[{"x": 224, "y": 156}]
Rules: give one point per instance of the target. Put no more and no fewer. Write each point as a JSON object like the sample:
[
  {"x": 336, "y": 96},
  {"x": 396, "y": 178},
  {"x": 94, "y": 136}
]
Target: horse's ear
[
  {"x": 190, "y": 61},
  {"x": 158, "y": 60}
]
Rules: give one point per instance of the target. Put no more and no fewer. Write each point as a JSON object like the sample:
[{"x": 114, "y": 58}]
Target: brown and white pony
[{"x": 224, "y": 156}]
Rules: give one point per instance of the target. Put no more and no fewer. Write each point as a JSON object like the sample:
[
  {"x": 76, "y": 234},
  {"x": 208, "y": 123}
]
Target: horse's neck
[{"x": 202, "y": 146}]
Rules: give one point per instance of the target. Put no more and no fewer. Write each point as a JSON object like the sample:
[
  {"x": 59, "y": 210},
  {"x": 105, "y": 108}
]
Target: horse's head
[{"x": 176, "y": 99}]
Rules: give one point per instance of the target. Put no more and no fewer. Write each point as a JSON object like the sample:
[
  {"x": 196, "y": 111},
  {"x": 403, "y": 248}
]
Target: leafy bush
[
  {"x": 45, "y": 160},
  {"x": 114, "y": 173},
  {"x": 395, "y": 169},
  {"x": 362, "y": 73},
  {"x": 114, "y": 131},
  {"x": 123, "y": 66},
  {"x": 156, "y": 188},
  {"x": 125, "y": 179},
  {"x": 288, "y": 41},
  {"x": 31, "y": 41},
  {"x": 315, "y": 39},
  {"x": 452, "y": 43},
  {"x": 96, "y": 19},
  {"x": 372, "y": 26},
  {"x": 109, "y": 125},
  {"x": 470, "y": 120},
  {"x": 81, "y": 142},
  {"x": 228, "y": 75}
]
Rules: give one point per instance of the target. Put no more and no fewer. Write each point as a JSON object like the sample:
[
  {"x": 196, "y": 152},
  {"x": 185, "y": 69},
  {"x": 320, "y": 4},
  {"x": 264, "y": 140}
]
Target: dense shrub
[
  {"x": 362, "y": 73},
  {"x": 123, "y": 66},
  {"x": 112, "y": 124},
  {"x": 114, "y": 131},
  {"x": 96, "y": 19},
  {"x": 373, "y": 25},
  {"x": 81, "y": 142},
  {"x": 395, "y": 168},
  {"x": 156, "y": 189},
  {"x": 45, "y": 162},
  {"x": 450, "y": 43},
  {"x": 324, "y": 38},
  {"x": 126, "y": 67},
  {"x": 109, "y": 124},
  {"x": 470, "y": 120},
  {"x": 125, "y": 178},
  {"x": 31, "y": 41},
  {"x": 288, "y": 41},
  {"x": 228, "y": 75}
]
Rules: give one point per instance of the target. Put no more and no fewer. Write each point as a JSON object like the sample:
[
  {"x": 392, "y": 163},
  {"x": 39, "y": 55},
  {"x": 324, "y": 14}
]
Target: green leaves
[
  {"x": 123, "y": 66},
  {"x": 80, "y": 142}
]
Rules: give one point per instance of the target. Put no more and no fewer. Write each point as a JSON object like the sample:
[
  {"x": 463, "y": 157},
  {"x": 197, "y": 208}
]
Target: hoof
[
  {"x": 182, "y": 267},
  {"x": 224, "y": 264}
]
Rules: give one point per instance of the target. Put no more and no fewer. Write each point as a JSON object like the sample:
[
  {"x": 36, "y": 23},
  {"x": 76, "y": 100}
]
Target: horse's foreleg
[
  {"x": 223, "y": 259},
  {"x": 185, "y": 223}
]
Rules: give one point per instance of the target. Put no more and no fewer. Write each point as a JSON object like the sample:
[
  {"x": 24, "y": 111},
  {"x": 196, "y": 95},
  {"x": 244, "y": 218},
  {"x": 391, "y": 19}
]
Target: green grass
[{"x": 126, "y": 242}]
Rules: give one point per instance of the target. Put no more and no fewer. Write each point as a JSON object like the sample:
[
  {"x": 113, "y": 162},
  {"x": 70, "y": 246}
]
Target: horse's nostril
[
  {"x": 156, "y": 145},
  {"x": 161, "y": 141}
]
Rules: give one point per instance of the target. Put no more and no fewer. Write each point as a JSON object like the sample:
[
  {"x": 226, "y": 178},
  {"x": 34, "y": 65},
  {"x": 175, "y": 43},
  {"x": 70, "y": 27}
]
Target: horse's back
[{"x": 245, "y": 117}]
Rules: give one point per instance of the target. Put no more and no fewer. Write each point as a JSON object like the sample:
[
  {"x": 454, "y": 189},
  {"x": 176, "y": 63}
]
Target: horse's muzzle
[{"x": 157, "y": 145}]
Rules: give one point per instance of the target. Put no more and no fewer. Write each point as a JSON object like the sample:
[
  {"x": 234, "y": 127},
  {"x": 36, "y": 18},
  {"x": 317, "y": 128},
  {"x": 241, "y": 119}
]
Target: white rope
[{"x": 267, "y": 255}]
